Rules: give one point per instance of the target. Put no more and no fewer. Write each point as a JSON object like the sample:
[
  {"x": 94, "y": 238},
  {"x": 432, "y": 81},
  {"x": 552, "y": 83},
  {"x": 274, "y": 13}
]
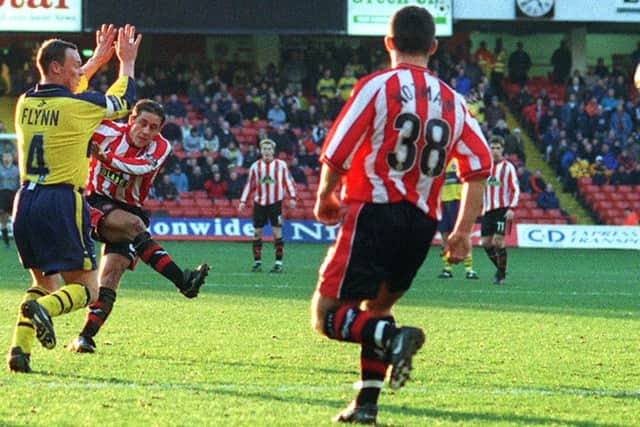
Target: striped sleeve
[
  {"x": 514, "y": 185},
  {"x": 250, "y": 184},
  {"x": 351, "y": 125},
  {"x": 471, "y": 149},
  {"x": 289, "y": 182},
  {"x": 151, "y": 160}
]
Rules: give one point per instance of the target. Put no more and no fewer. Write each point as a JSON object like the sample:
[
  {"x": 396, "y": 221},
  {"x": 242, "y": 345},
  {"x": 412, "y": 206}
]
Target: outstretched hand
[
  {"x": 105, "y": 36},
  {"x": 127, "y": 43}
]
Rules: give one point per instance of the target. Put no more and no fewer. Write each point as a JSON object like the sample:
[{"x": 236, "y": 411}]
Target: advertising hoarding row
[{"x": 306, "y": 231}]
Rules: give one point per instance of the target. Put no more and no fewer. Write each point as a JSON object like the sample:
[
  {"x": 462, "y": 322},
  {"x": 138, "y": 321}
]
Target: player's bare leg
[
  {"x": 122, "y": 226},
  {"x": 370, "y": 323}
]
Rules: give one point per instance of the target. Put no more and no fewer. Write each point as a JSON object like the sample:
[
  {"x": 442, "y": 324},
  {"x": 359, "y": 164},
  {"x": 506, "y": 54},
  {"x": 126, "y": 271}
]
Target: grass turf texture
[{"x": 558, "y": 345}]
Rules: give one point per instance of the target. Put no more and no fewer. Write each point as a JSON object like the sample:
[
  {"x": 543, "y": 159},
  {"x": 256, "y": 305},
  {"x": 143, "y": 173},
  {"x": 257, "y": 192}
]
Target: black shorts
[
  {"x": 6, "y": 200},
  {"x": 493, "y": 222},
  {"x": 377, "y": 242},
  {"x": 271, "y": 213},
  {"x": 106, "y": 205}
]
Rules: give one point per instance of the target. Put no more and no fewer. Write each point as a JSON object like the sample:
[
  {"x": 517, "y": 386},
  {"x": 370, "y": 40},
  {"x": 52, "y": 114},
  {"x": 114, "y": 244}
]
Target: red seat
[
  {"x": 624, "y": 189},
  {"x": 553, "y": 213},
  {"x": 632, "y": 196},
  {"x": 186, "y": 203},
  {"x": 176, "y": 212},
  {"x": 204, "y": 212},
  {"x": 260, "y": 124},
  {"x": 152, "y": 204},
  {"x": 620, "y": 204},
  {"x": 185, "y": 195},
  {"x": 227, "y": 212},
  {"x": 537, "y": 213},
  {"x": 168, "y": 204},
  {"x": 616, "y": 196},
  {"x": 199, "y": 194}
]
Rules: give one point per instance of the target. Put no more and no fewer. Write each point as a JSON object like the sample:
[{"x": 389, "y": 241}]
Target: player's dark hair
[
  {"x": 150, "y": 106},
  {"x": 496, "y": 140},
  {"x": 52, "y": 50},
  {"x": 412, "y": 29}
]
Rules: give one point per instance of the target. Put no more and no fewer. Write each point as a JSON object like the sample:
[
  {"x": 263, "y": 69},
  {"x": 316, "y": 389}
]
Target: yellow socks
[
  {"x": 468, "y": 264},
  {"x": 445, "y": 262},
  {"x": 24, "y": 333},
  {"x": 66, "y": 299}
]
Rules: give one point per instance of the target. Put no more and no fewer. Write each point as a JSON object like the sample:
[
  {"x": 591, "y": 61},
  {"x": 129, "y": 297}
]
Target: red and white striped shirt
[
  {"x": 268, "y": 181},
  {"x": 395, "y": 136},
  {"x": 129, "y": 172},
  {"x": 503, "y": 188}
]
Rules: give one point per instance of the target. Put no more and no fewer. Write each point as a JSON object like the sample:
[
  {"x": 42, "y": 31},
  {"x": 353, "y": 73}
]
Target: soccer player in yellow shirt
[
  {"x": 54, "y": 123},
  {"x": 450, "y": 198}
]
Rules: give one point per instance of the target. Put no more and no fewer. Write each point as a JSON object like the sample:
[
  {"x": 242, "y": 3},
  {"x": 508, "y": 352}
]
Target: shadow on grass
[
  {"x": 488, "y": 418},
  {"x": 333, "y": 405}
]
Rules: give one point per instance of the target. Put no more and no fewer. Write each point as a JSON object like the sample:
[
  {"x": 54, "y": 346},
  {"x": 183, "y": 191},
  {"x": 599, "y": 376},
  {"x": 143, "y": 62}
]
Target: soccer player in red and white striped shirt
[
  {"x": 500, "y": 199},
  {"x": 126, "y": 160},
  {"x": 390, "y": 145},
  {"x": 269, "y": 179}
]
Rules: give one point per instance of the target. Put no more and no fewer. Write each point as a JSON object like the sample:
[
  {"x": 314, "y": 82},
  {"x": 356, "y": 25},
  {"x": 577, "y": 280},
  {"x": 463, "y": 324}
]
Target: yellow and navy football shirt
[
  {"x": 54, "y": 128},
  {"x": 452, "y": 186}
]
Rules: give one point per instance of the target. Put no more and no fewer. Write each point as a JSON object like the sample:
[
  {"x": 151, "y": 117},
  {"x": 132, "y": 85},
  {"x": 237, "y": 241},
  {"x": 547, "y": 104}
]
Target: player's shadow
[
  {"x": 464, "y": 418},
  {"x": 333, "y": 405}
]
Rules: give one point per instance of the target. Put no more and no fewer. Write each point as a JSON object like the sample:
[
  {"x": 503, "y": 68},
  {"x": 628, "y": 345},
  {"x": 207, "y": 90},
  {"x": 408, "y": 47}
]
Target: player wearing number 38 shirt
[{"x": 390, "y": 146}]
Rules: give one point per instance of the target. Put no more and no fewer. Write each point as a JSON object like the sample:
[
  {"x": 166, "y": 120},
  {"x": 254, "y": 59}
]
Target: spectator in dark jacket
[
  {"x": 165, "y": 189},
  {"x": 547, "y": 199}
]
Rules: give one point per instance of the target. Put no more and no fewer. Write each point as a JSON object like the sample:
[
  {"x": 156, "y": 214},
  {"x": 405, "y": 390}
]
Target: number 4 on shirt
[{"x": 35, "y": 156}]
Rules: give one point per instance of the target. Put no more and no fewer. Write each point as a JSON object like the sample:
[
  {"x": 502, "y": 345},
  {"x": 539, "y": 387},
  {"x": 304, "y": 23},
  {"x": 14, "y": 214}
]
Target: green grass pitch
[{"x": 558, "y": 346}]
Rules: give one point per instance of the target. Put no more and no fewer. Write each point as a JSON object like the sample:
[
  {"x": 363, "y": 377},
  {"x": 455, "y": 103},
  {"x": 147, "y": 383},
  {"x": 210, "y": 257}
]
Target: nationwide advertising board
[{"x": 522, "y": 235}]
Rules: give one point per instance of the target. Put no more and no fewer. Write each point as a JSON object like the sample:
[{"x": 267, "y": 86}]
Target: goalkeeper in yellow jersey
[{"x": 450, "y": 198}]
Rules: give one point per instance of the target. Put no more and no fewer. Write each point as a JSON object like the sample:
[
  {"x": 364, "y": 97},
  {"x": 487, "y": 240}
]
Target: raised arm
[
  {"x": 105, "y": 36},
  {"x": 127, "y": 49}
]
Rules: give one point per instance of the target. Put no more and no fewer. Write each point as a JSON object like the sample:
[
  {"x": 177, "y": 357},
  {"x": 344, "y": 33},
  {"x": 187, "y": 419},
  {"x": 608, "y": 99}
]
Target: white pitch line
[
  {"x": 417, "y": 288},
  {"x": 517, "y": 391}
]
